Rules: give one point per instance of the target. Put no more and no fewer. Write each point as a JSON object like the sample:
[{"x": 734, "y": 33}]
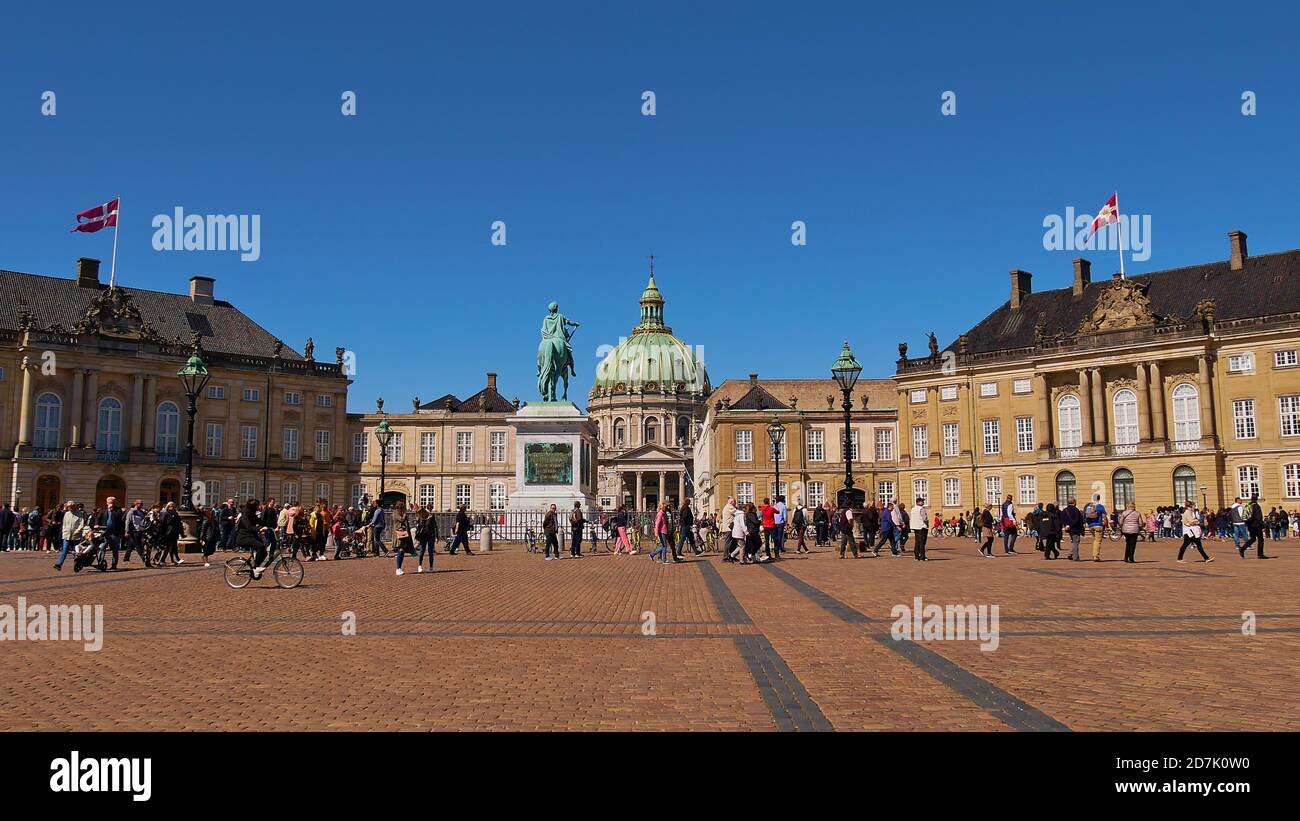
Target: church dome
[{"x": 651, "y": 360}]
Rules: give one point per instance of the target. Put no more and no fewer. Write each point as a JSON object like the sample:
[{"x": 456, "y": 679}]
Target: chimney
[
  {"x": 1082, "y": 275},
  {"x": 87, "y": 272},
  {"x": 1019, "y": 287},
  {"x": 492, "y": 382},
  {"x": 753, "y": 380},
  {"x": 201, "y": 290},
  {"x": 1237, "y": 241}
]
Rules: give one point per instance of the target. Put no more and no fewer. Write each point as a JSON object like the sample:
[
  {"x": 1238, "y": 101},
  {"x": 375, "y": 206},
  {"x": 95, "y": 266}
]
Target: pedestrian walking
[
  {"x": 1130, "y": 527},
  {"x": 1192, "y": 533},
  {"x": 920, "y": 519}
]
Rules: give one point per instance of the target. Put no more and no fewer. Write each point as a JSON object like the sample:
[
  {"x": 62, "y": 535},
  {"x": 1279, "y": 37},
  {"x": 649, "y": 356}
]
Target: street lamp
[
  {"x": 194, "y": 378},
  {"x": 776, "y": 433},
  {"x": 1203, "y": 502},
  {"x": 384, "y": 435},
  {"x": 846, "y": 371}
]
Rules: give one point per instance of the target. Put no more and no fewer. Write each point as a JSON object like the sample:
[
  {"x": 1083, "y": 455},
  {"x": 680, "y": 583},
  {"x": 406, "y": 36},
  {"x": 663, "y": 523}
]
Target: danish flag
[
  {"x": 1109, "y": 213},
  {"x": 101, "y": 216}
]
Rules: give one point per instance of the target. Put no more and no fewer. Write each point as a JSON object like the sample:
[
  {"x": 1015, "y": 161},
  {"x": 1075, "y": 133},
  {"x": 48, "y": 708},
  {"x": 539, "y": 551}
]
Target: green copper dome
[{"x": 651, "y": 360}]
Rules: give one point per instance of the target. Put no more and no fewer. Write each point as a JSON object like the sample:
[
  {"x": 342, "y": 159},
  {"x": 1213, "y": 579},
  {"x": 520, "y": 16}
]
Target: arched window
[
  {"x": 1066, "y": 486},
  {"x": 169, "y": 423},
  {"x": 109, "y": 437},
  {"x": 49, "y": 416},
  {"x": 620, "y": 434},
  {"x": 1126, "y": 417},
  {"x": 1068, "y": 419},
  {"x": 652, "y": 430},
  {"x": 683, "y": 431},
  {"x": 1184, "y": 484},
  {"x": 1187, "y": 413},
  {"x": 1122, "y": 487}
]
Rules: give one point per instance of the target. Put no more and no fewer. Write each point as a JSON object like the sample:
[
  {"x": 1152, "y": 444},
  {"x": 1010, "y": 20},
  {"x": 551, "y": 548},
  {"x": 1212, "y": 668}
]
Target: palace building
[
  {"x": 93, "y": 406},
  {"x": 1162, "y": 387}
]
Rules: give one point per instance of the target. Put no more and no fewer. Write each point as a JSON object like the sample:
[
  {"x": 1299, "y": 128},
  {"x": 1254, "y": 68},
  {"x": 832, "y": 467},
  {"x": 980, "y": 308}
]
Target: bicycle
[{"x": 286, "y": 570}]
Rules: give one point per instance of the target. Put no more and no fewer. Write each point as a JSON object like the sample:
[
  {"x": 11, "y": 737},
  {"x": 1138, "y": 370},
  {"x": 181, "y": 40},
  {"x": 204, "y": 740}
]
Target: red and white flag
[
  {"x": 1109, "y": 213},
  {"x": 101, "y": 216}
]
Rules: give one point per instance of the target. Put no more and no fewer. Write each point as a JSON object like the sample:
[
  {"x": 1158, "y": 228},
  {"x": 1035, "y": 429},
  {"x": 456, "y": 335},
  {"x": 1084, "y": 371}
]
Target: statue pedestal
[
  {"x": 555, "y": 458},
  {"x": 189, "y": 540}
]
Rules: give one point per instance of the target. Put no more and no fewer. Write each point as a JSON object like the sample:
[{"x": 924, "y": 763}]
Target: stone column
[
  {"x": 681, "y": 487},
  {"x": 1044, "y": 411},
  {"x": 663, "y": 486},
  {"x": 150, "y": 414},
  {"x": 1143, "y": 404},
  {"x": 1099, "y": 434},
  {"x": 76, "y": 408},
  {"x": 1156, "y": 388},
  {"x": 1085, "y": 407},
  {"x": 639, "y": 502},
  {"x": 1207, "y": 401},
  {"x": 25, "y": 415},
  {"x": 92, "y": 408},
  {"x": 935, "y": 425},
  {"x": 136, "y": 438}
]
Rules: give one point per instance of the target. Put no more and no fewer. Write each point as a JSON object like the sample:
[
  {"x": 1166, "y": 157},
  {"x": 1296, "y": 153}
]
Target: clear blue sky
[{"x": 375, "y": 228}]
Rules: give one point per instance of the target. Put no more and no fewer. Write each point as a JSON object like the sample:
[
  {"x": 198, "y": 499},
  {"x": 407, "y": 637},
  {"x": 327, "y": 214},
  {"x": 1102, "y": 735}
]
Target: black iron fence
[{"x": 527, "y": 525}]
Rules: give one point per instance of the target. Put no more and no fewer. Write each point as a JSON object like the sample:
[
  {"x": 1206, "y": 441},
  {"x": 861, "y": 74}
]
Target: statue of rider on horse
[{"x": 555, "y": 353}]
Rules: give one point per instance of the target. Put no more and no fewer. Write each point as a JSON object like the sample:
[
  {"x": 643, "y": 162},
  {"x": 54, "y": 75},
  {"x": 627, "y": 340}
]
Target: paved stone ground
[{"x": 506, "y": 641}]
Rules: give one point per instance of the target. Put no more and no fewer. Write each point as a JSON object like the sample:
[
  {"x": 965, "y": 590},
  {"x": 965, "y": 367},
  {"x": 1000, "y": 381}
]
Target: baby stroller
[{"x": 89, "y": 551}]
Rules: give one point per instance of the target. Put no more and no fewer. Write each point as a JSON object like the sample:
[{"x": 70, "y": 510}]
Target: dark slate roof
[
  {"x": 1266, "y": 285},
  {"x": 758, "y": 398},
  {"x": 60, "y": 300},
  {"x": 440, "y": 403},
  {"x": 496, "y": 403}
]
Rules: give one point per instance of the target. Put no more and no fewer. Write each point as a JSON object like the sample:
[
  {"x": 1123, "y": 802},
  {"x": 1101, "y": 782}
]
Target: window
[
  {"x": 816, "y": 445},
  {"x": 290, "y": 450},
  {"x": 464, "y": 446},
  {"x": 988, "y": 389},
  {"x": 1243, "y": 418},
  {"x": 918, "y": 396},
  {"x": 1288, "y": 415},
  {"x": 853, "y": 446},
  {"x": 1024, "y": 434},
  {"x": 252, "y": 395},
  {"x": 993, "y": 489},
  {"x": 426, "y": 495},
  {"x": 951, "y": 492},
  {"x": 652, "y": 430},
  {"x": 212, "y": 492},
  {"x": 778, "y": 490},
  {"x": 1241, "y": 363},
  {"x": 213, "y": 440},
  {"x": 778, "y": 450},
  {"x": 921, "y": 490},
  {"x": 109, "y": 438},
  {"x": 683, "y": 431},
  {"x": 744, "y": 446},
  {"x": 167, "y": 431},
  {"x": 292, "y": 398},
  {"x": 951, "y": 439},
  {"x": 1248, "y": 481},
  {"x": 464, "y": 493},
  {"x": 428, "y": 447},
  {"x": 248, "y": 441},
  {"x": 323, "y": 491},
  {"x": 1021, "y": 386},
  {"x": 216, "y": 392},
  {"x": 49, "y": 418},
  {"x": 992, "y": 437},
  {"x": 1069, "y": 421},
  {"x": 358, "y": 490},
  {"x": 1284, "y": 359},
  {"x": 619, "y": 433},
  {"x": 920, "y": 441},
  {"x": 289, "y": 490},
  {"x": 1028, "y": 487},
  {"x": 395, "y": 448},
  {"x": 1066, "y": 488},
  {"x": 1291, "y": 480},
  {"x": 1126, "y": 421},
  {"x": 324, "y": 400},
  {"x": 885, "y": 491},
  {"x": 744, "y": 492},
  {"x": 948, "y": 392},
  {"x": 1184, "y": 485},
  {"x": 360, "y": 447},
  {"x": 817, "y": 493},
  {"x": 1122, "y": 488},
  {"x": 497, "y": 446},
  {"x": 884, "y": 445},
  {"x": 246, "y": 490},
  {"x": 322, "y": 445},
  {"x": 496, "y": 496},
  {"x": 1187, "y": 413}
]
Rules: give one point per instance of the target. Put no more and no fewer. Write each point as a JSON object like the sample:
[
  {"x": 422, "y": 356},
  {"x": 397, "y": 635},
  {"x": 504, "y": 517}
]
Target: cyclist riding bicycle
[{"x": 249, "y": 533}]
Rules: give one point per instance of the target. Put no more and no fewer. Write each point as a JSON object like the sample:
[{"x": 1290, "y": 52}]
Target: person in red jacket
[{"x": 768, "y": 512}]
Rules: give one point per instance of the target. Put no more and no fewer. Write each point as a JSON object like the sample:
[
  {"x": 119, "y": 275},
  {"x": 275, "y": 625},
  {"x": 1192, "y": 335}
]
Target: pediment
[{"x": 651, "y": 452}]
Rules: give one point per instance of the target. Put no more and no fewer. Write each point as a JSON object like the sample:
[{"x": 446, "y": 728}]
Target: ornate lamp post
[
  {"x": 1204, "y": 505},
  {"x": 194, "y": 378},
  {"x": 846, "y": 371},
  {"x": 384, "y": 435},
  {"x": 776, "y": 433}
]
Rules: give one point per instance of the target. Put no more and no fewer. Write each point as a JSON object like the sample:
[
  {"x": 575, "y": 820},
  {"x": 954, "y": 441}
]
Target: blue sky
[{"x": 375, "y": 229}]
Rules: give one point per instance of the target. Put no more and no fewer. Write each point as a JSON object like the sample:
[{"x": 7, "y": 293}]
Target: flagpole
[
  {"x": 112, "y": 271},
  {"x": 1119, "y": 227}
]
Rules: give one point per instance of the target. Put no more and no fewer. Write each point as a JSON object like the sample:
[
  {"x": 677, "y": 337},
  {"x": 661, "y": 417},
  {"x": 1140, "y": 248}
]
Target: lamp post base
[{"x": 189, "y": 540}]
